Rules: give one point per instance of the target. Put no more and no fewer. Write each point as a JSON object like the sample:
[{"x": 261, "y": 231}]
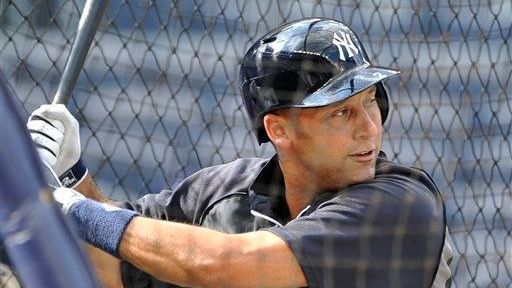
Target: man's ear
[{"x": 275, "y": 126}]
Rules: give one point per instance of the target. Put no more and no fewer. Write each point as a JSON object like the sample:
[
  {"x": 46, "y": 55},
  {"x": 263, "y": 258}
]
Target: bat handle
[{"x": 87, "y": 26}]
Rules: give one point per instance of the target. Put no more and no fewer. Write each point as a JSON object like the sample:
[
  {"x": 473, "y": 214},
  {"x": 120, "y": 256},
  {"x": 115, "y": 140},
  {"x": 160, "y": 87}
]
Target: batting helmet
[{"x": 307, "y": 63}]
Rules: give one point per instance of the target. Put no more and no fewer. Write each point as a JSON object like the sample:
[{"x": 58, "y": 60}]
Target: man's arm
[
  {"x": 173, "y": 252},
  {"x": 194, "y": 256}
]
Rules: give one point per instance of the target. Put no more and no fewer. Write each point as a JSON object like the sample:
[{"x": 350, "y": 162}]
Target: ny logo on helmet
[{"x": 343, "y": 39}]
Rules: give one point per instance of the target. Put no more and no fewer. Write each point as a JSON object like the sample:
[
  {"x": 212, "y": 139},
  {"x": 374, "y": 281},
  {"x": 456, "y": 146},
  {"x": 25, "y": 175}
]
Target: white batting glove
[
  {"x": 67, "y": 197},
  {"x": 56, "y": 135}
]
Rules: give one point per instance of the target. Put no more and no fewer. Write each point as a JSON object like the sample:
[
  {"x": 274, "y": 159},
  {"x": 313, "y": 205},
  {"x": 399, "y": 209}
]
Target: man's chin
[
  {"x": 354, "y": 176},
  {"x": 356, "y": 179},
  {"x": 364, "y": 175}
]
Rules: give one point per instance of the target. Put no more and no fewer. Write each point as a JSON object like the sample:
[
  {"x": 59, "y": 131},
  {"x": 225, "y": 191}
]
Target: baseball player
[{"x": 328, "y": 210}]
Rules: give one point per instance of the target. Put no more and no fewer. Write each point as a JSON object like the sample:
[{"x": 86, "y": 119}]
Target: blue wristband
[
  {"x": 73, "y": 175},
  {"x": 101, "y": 225}
]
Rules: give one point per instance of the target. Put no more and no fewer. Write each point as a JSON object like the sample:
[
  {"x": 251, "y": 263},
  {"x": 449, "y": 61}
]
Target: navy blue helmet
[{"x": 307, "y": 63}]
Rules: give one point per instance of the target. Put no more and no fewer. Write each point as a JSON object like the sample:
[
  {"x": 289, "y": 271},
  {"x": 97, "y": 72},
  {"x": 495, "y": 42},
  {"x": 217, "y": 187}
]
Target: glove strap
[{"x": 72, "y": 177}]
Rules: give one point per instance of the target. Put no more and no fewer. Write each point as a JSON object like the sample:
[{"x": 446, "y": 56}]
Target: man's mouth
[{"x": 364, "y": 156}]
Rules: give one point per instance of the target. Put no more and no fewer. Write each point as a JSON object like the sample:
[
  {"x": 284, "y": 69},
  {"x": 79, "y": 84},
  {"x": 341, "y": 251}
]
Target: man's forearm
[{"x": 193, "y": 256}]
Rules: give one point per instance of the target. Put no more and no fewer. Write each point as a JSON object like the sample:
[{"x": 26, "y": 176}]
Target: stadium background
[{"x": 158, "y": 97}]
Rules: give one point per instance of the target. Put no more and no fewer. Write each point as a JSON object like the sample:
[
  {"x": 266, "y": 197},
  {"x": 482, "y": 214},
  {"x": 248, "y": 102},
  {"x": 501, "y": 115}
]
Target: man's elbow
[
  {"x": 217, "y": 269},
  {"x": 206, "y": 268}
]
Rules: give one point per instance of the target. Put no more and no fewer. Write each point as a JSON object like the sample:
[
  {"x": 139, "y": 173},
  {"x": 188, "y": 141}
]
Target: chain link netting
[{"x": 157, "y": 98}]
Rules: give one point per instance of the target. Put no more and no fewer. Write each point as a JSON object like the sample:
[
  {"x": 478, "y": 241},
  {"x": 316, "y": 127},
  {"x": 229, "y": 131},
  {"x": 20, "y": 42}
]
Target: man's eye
[{"x": 341, "y": 112}]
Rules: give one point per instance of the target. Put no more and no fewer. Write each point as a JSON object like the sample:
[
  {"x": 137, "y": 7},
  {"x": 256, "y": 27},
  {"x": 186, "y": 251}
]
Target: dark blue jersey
[{"x": 387, "y": 232}]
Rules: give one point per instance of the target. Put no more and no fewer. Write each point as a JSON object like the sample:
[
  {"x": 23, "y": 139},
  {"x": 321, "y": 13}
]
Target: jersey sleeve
[
  {"x": 178, "y": 204},
  {"x": 383, "y": 234}
]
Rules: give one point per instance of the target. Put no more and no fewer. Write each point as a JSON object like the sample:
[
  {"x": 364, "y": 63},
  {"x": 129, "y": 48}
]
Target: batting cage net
[{"x": 158, "y": 96}]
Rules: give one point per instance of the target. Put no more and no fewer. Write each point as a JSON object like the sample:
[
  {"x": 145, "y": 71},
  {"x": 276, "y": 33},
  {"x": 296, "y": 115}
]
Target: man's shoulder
[
  {"x": 236, "y": 168},
  {"x": 395, "y": 191},
  {"x": 224, "y": 178},
  {"x": 414, "y": 178}
]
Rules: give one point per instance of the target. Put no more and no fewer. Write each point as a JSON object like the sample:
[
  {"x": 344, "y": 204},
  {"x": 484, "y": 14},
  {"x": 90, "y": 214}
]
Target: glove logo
[
  {"x": 341, "y": 40},
  {"x": 68, "y": 179}
]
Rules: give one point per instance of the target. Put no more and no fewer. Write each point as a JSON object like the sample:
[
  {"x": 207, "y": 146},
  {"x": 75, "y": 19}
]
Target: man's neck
[
  {"x": 299, "y": 191},
  {"x": 297, "y": 204}
]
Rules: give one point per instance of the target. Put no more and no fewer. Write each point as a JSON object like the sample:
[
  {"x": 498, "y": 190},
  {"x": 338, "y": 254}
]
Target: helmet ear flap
[
  {"x": 261, "y": 134},
  {"x": 252, "y": 103},
  {"x": 382, "y": 100}
]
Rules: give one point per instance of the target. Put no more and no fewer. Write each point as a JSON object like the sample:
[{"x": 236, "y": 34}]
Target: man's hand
[{"x": 56, "y": 135}]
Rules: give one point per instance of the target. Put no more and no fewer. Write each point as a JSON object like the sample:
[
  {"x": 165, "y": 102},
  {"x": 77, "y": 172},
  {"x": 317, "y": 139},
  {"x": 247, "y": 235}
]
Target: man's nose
[{"x": 367, "y": 124}]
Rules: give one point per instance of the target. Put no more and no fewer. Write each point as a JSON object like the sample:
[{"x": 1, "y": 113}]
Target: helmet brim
[{"x": 346, "y": 85}]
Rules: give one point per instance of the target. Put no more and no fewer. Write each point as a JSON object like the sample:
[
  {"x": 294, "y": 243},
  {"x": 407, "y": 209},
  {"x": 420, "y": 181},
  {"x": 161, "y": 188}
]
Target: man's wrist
[{"x": 101, "y": 225}]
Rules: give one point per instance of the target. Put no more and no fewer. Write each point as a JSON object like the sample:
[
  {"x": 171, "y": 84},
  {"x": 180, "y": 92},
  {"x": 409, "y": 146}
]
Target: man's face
[{"x": 338, "y": 144}]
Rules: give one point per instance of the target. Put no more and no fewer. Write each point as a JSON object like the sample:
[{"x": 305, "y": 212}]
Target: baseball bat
[{"x": 91, "y": 16}]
